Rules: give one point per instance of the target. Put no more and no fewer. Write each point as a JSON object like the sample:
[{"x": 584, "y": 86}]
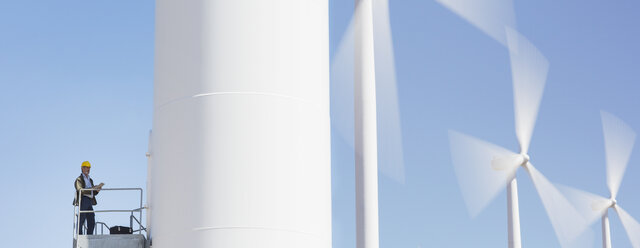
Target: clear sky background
[{"x": 76, "y": 80}]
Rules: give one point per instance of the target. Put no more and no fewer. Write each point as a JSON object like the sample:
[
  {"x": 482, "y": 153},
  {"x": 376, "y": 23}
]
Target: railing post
[
  {"x": 79, "y": 210},
  {"x": 140, "y": 214},
  {"x": 131, "y": 221}
]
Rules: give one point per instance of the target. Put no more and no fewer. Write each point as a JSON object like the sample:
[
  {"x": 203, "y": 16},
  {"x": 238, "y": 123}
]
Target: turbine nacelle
[
  {"x": 509, "y": 162},
  {"x": 604, "y": 204}
]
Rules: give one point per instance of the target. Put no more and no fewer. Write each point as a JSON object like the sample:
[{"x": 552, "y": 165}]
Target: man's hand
[{"x": 99, "y": 186}]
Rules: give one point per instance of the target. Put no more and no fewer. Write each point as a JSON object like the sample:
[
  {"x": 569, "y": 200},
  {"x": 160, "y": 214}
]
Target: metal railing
[
  {"x": 132, "y": 217},
  {"x": 98, "y": 223}
]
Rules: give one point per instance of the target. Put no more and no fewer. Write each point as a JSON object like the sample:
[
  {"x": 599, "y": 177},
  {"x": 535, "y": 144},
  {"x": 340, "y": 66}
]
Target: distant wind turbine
[
  {"x": 483, "y": 168},
  {"x": 619, "y": 139}
]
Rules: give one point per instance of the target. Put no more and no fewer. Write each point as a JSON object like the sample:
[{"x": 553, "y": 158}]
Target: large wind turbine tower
[{"x": 240, "y": 148}]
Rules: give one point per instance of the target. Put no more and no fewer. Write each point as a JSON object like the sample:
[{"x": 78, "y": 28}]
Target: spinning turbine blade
[
  {"x": 630, "y": 225},
  {"x": 479, "y": 181},
  {"x": 567, "y": 223},
  {"x": 342, "y": 77},
  {"x": 529, "y": 70},
  {"x": 618, "y": 143},
  {"x": 390, "y": 152},
  {"x": 590, "y": 206},
  {"x": 490, "y": 16},
  {"x": 390, "y": 156}
]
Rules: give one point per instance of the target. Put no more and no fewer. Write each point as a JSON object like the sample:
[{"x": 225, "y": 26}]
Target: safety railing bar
[
  {"x": 74, "y": 223},
  {"x": 97, "y": 211},
  {"x": 108, "y": 189},
  {"x": 102, "y": 225},
  {"x": 139, "y": 230},
  {"x": 105, "y": 211},
  {"x": 139, "y": 223},
  {"x": 133, "y": 217}
]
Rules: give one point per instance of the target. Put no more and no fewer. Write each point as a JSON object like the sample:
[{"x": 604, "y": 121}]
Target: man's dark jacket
[{"x": 79, "y": 184}]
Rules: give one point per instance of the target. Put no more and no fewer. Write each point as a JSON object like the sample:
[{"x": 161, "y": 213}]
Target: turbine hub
[
  {"x": 525, "y": 159},
  {"x": 613, "y": 203}
]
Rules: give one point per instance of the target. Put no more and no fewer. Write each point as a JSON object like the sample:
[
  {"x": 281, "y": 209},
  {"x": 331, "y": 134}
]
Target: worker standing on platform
[{"x": 88, "y": 198}]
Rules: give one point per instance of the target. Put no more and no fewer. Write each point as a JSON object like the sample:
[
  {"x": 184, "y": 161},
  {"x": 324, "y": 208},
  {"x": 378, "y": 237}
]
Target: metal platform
[
  {"x": 108, "y": 241},
  {"x": 138, "y": 238}
]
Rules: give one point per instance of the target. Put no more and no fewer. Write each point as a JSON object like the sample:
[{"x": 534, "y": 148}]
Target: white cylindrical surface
[
  {"x": 513, "y": 214},
  {"x": 606, "y": 230},
  {"x": 148, "y": 185},
  {"x": 241, "y": 131},
  {"x": 366, "y": 143}
]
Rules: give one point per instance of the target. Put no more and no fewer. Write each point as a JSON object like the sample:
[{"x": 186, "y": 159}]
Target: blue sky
[{"x": 76, "y": 80}]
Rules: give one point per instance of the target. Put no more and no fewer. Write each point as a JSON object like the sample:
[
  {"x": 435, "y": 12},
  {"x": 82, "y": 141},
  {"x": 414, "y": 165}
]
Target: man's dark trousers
[{"x": 90, "y": 217}]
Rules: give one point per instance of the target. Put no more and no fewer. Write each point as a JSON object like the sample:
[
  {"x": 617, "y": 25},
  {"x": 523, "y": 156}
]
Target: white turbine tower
[
  {"x": 619, "y": 139},
  {"x": 367, "y": 58},
  {"x": 240, "y": 153},
  {"x": 365, "y": 128}
]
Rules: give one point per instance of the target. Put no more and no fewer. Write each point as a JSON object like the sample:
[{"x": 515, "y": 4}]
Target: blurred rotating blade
[
  {"x": 619, "y": 139},
  {"x": 630, "y": 225},
  {"x": 567, "y": 222},
  {"x": 390, "y": 155},
  {"x": 590, "y": 206},
  {"x": 341, "y": 88},
  {"x": 390, "y": 151},
  {"x": 479, "y": 181},
  {"x": 490, "y": 16},
  {"x": 529, "y": 70}
]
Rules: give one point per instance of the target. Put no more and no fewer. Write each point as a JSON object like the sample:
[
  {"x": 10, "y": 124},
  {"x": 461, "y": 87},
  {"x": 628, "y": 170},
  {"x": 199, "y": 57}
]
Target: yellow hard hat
[{"x": 86, "y": 164}]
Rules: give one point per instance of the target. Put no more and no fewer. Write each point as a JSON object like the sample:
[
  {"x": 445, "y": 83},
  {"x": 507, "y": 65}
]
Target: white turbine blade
[
  {"x": 619, "y": 139},
  {"x": 341, "y": 90},
  {"x": 630, "y": 225},
  {"x": 529, "y": 70},
  {"x": 390, "y": 155},
  {"x": 479, "y": 182},
  {"x": 590, "y": 206},
  {"x": 567, "y": 223},
  {"x": 490, "y": 16}
]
